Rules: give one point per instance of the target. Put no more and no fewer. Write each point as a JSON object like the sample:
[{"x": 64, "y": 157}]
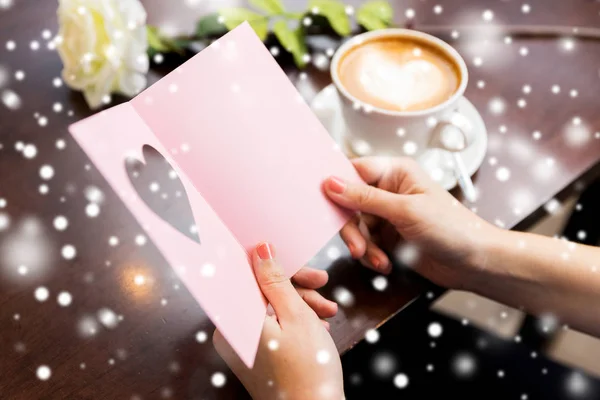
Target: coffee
[{"x": 399, "y": 74}]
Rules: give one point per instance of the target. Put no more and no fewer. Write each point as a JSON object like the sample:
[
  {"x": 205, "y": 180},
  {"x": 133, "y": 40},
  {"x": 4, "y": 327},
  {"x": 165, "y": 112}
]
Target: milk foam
[
  {"x": 404, "y": 84},
  {"x": 399, "y": 74}
]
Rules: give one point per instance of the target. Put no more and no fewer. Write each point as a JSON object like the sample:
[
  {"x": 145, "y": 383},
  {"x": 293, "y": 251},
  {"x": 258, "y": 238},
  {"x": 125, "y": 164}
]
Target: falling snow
[
  {"x": 273, "y": 345},
  {"x": 201, "y": 337},
  {"x": 487, "y": 15},
  {"x": 140, "y": 240},
  {"x": 503, "y": 174},
  {"x": 380, "y": 283},
  {"x": 60, "y": 223},
  {"x": 68, "y": 252},
  {"x": 87, "y": 326},
  {"x": 435, "y": 329},
  {"x": 410, "y": 148},
  {"x": 46, "y": 172},
  {"x": 464, "y": 365},
  {"x": 208, "y": 270},
  {"x": 523, "y": 51},
  {"x": 401, "y": 381},
  {"x": 107, "y": 318},
  {"x": 567, "y": 44},
  {"x": 11, "y": 100},
  {"x": 43, "y": 372},
  {"x": 497, "y": 106},
  {"x": 577, "y": 384},
  {"x": 92, "y": 210},
  {"x": 41, "y": 294},
  {"x": 4, "y": 221},
  {"x": 372, "y": 336},
  {"x": 343, "y": 296},
  {"x": 333, "y": 252},
  {"x": 94, "y": 194},
  {"x": 64, "y": 299},
  {"x": 553, "y": 206},
  {"x": 218, "y": 379},
  {"x": 384, "y": 365},
  {"x": 323, "y": 356},
  {"x": 29, "y": 151}
]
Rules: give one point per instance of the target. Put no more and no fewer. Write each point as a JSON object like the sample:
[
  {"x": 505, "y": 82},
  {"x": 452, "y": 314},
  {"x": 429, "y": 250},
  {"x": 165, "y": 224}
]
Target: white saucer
[{"x": 439, "y": 164}]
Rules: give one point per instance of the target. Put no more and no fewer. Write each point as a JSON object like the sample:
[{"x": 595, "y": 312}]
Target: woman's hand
[
  {"x": 460, "y": 250},
  {"x": 401, "y": 196},
  {"x": 296, "y": 358}
]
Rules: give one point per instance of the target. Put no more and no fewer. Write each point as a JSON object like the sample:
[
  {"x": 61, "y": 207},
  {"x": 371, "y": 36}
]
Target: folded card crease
[
  {"x": 255, "y": 150},
  {"x": 252, "y": 158}
]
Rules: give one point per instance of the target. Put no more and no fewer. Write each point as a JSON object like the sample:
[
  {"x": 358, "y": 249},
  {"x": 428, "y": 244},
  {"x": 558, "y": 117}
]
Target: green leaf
[
  {"x": 234, "y": 16},
  {"x": 335, "y": 12},
  {"x": 376, "y": 14},
  {"x": 154, "y": 40},
  {"x": 292, "y": 41},
  {"x": 295, "y": 15},
  {"x": 209, "y": 25},
  {"x": 268, "y": 6},
  {"x": 161, "y": 44}
]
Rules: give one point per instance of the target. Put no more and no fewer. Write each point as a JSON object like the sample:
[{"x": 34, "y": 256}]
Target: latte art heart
[
  {"x": 406, "y": 85},
  {"x": 399, "y": 74}
]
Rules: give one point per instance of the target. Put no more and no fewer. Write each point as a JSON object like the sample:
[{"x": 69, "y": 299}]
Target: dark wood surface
[{"x": 150, "y": 350}]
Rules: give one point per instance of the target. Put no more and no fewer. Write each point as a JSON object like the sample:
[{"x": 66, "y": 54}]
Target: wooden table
[{"x": 126, "y": 337}]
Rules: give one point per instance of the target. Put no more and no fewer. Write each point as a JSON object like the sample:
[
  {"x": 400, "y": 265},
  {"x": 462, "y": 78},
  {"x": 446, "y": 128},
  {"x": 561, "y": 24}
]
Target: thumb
[
  {"x": 362, "y": 197},
  {"x": 275, "y": 286}
]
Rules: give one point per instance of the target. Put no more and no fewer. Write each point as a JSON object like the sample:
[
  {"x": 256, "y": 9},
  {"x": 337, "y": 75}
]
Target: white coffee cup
[{"x": 377, "y": 131}]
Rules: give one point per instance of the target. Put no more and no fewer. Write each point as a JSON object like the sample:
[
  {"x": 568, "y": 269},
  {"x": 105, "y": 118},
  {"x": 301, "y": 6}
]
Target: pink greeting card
[{"x": 252, "y": 158}]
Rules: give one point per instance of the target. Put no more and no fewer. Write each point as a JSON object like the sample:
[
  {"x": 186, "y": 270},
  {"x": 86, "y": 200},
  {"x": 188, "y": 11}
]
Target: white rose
[{"x": 103, "y": 46}]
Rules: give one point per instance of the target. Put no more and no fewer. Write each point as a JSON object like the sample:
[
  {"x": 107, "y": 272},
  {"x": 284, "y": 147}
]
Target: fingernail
[
  {"x": 385, "y": 267},
  {"x": 334, "y": 305},
  {"x": 336, "y": 185},
  {"x": 265, "y": 251},
  {"x": 351, "y": 249},
  {"x": 375, "y": 262}
]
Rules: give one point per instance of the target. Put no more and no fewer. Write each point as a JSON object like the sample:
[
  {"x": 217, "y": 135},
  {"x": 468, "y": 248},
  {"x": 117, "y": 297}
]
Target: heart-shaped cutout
[{"x": 157, "y": 184}]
